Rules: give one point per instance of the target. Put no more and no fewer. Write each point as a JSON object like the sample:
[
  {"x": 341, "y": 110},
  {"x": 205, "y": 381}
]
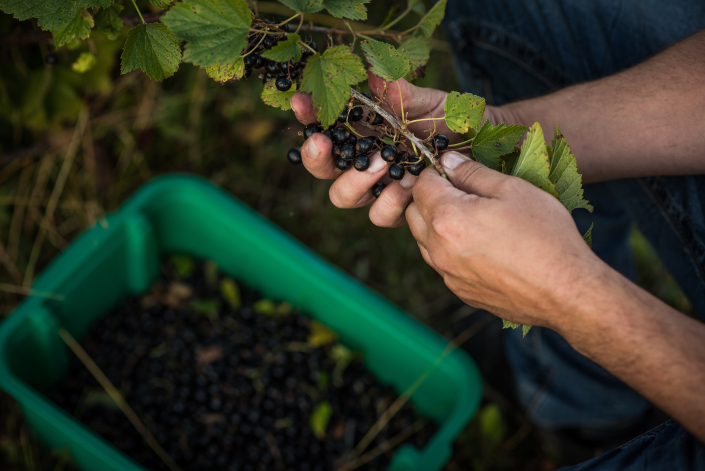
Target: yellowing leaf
[
  {"x": 153, "y": 49},
  {"x": 225, "y": 73},
  {"x": 215, "y": 31},
  {"x": 231, "y": 293},
  {"x": 278, "y": 99},
  {"x": 564, "y": 174},
  {"x": 84, "y": 63},
  {"x": 285, "y": 50},
  {"x": 463, "y": 111},
  {"x": 350, "y": 9},
  {"x": 385, "y": 60},
  {"x": 320, "y": 335},
  {"x": 320, "y": 418}
]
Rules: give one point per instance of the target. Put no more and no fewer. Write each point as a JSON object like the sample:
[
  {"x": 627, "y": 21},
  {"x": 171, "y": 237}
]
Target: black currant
[
  {"x": 294, "y": 74},
  {"x": 364, "y": 145},
  {"x": 248, "y": 72},
  {"x": 269, "y": 41},
  {"x": 307, "y": 52},
  {"x": 389, "y": 153},
  {"x": 356, "y": 114},
  {"x": 361, "y": 163},
  {"x": 343, "y": 116},
  {"x": 259, "y": 62},
  {"x": 311, "y": 129},
  {"x": 294, "y": 155},
  {"x": 375, "y": 119},
  {"x": 377, "y": 189},
  {"x": 366, "y": 95},
  {"x": 250, "y": 60},
  {"x": 347, "y": 152},
  {"x": 396, "y": 172},
  {"x": 340, "y": 135},
  {"x": 352, "y": 140},
  {"x": 51, "y": 59},
  {"x": 284, "y": 27},
  {"x": 402, "y": 157},
  {"x": 271, "y": 67},
  {"x": 336, "y": 149},
  {"x": 342, "y": 164},
  {"x": 266, "y": 78},
  {"x": 283, "y": 84},
  {"x": 440, "y": 142},
  {"x": 416, "y": 169},
  {"x": 328, "y": 133}
]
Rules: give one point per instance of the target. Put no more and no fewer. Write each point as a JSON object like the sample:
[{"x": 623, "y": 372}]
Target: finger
[
  {"x": 302, "y": 105},
  {"x": 427, "y": 258},
  {"x": 431, "y": 190},
  {"x": 317, "y": 158},
  {"x": 388, "y": 210},
  {"x": 470, "y": 176},
  {"x": 352, "y": 188},
  {"x": 417, "y": 225}
]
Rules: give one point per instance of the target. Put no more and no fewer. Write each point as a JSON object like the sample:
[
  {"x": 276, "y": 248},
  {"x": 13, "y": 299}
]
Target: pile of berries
[{"x": 226, "y": 381}]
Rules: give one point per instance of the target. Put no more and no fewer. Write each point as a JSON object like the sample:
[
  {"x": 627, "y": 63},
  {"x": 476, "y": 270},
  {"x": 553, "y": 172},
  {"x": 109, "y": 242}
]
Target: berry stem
[
  {"x": 256, "y": 46},
  {"x": 460, "y": 144},
  {"x": 424, "y": 119},
  {"x": 301, "y": 43},
  {"x": 288, "y": 20},
  {"x": 397, "y": 127},
  {"x": 139, "y": 12}
]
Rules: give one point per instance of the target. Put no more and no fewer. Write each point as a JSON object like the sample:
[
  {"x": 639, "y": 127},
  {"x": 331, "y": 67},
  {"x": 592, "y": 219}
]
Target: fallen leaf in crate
[
  {"x": 320, "y": 417},
  {"x": 321, "y": 335}
]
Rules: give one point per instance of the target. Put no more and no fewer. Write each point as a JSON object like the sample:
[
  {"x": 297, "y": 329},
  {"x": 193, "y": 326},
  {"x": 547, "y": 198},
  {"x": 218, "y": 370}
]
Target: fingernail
[
  {"x": 450, "y": 160},
  {"x": 377, "y": 164},
  {"x": 312, "y": 149},
  {"x": 408, "y": 181}
]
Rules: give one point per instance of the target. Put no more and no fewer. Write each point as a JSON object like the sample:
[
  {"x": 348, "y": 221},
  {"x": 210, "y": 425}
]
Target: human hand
[
  {"x": 499, "y": 242},
  {"x": 351, "y": 188}
]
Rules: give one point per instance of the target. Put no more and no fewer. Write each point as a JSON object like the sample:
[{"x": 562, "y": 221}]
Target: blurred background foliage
[{"x": 74, "y": 146}]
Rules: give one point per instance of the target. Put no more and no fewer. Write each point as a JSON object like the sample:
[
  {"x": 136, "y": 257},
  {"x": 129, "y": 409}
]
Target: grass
[{"x": 73, "y": 148}]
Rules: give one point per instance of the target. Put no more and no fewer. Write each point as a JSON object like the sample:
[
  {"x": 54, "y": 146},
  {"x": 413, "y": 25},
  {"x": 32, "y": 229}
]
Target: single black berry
[
  {"x": 294, "y": 74},
  {"x": 364, "y": 145},
  {"x": 328, "y": 134},
  {"x": 361, "y": 163},
  {"x": 347, "y": 152},
  {"x": 402, "y": 157},
  {"x": 285, "y": 27},
  {"x": 266, "y": 78},
  {"x": 271, "y": 67},
  {"x": 356, "y": 114},
  {"x": 248, "y": 72},
  {"x": 396, "y": 172},
  {"x": 51, "y": 59},
  {"x": 377, "y": 189},
  {"x": 342, "y": 164},
  {"x": 307, "y": 52},
  {"x": 283, "y": 84},
  {"x": 259, "y": 63},
  {"x": 269, "y": 41},
  {"x": 336, "y": 149},
  {"x": 366, "y": 95},
  {"x": 311, "y": 129},
  {"x": 352, "y": 140},
  {"x": 340, "y": 135},
  {"x": 375, "y": 119},
  {"x": 416, "y": 169},
  {"x": 441, "y": 142},
  {"x": 250, "y": 60},
  {"x": 389, "y": 153},
  {"x": 294, "y": 155},
  {"x": 343, "y": 116}
]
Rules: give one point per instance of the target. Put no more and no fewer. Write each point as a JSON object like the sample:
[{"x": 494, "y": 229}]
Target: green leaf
[
  {"x": 587, "y": 237},
  {"x": 492, "y": 142},
  {"x": 265, "y": 307},
  {"x": 95, "y": 3},
  {"x": 285, "y": 50},
  {"x": 51, "y": 14},
  {"x": 491, "y": 424},
  {"x": 304, "y": 6},
  {"x": 153, "y": 49},
  {"x": 320, "y": 418},
  {"x": 385, "y": 60},
  {"x": 273, "y": 97},
  {"x": 564, "y": 174},
  {"x": 328, "y": 78},
  {"x": 350, "y": 9},
  {"x": 432, "y": 19},
  {"x": 525, "y": 330},
  {"x": 226, "y": 73},
  {"x": 231, "y": 293},
  {"x": 532, "y": 164},
  {"x": 419, "y": 51},
  {"x": 161, "y": 3},
  {"x": 215, "y": 31},
  {"x": 84, "y": 63},
  {"x": 108, "y": 22},
  {"x": 463, "y": 111},
  {"x": 79, "y": 27},
  {"x": 320, "y": 335},
  {"x": 509, "y": 324}
]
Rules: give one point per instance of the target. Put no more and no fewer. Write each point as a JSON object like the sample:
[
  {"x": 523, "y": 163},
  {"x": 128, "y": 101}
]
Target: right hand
[{"x": 351, "y": 189}]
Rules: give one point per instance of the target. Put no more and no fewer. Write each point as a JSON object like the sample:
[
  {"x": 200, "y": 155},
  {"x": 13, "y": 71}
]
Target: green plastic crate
[{"x": 182, "y": 214}]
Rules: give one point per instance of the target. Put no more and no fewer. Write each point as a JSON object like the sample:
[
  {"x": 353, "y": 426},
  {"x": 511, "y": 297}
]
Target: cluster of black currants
[{"x": 284, "y": 74}]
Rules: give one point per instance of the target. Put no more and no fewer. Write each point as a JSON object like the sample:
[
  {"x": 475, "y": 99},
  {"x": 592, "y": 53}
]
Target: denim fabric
[{"x": 507, "y": 50}]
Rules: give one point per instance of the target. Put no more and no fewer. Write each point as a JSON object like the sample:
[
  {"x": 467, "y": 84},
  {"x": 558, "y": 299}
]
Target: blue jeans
[{"x": 508, "y": 50}]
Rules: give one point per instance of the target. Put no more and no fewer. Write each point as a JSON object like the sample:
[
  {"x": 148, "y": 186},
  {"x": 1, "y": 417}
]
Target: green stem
[
  {"x": 308, "y": 47},
  {"x": 459, "y": 144},
  {"x": 423, "y": 119},
  {"x": 256, "y": 46},
  {"x": 347, "y": 125},
  {"x": 397, "y": 20},
  {"x": 288, "y": 20},
  {"x": 139, "y": 12},
  {"x": 301, "y": 22}
]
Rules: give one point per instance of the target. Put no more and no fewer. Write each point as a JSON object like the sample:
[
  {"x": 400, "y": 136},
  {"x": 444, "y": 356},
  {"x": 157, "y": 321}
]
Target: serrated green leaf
[
  {"x": 532, "y": 164},
  {"x": 108, "y": 22},
  {"x": 492, "y": 142},
  {"x": 225, "y": 73},
  {"x": 509, "y": 324},
  {"x": 587, "y": 237},
  {"x": 328, "y": 78},
  {"x": 153, "y": 49},
  {"x": 385, "y": 60},
  {"x": 304, "y": 6},
  {"x": 285, "y": 50},
  {"x": 95, "y": 3},
  {"x": 51, "y": 14},
  {"x": 350, "y": 9},
  {"x": 84, "y": 63},
  {"x": 215, "y": 31},
  {"x": 320, "y": 418},
  {"x": 387, "y": 140},
  {"x": 273, "y": 97},
  {"x": 79, "y": 27},
  {"x": 419, "y": 51},
  {"x": 161, "y": 3},
  {"x": 432, "y": 19},
  {"x": 564, "y": 174},
  {"x": 463, "y": 111},
  {"x": 525, "y": 329}
]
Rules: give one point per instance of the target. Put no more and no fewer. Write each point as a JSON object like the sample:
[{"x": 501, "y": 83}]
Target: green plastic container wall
[{"x": 182, "y": 214}]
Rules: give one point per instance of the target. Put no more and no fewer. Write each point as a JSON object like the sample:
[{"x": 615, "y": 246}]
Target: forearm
[
  {"x": 656, "y": 350},
  {"x": 647, "y": 120}
]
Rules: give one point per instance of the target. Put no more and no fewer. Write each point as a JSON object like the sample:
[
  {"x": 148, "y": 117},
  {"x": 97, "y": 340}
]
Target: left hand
[{"x": 500, "y": 243}]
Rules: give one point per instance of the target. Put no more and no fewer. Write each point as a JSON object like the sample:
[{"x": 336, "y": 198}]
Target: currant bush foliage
[{"x": 229, "y": 40}]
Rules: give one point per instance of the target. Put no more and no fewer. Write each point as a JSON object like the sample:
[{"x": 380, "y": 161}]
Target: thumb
[{"x": 471, "y": 177}]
